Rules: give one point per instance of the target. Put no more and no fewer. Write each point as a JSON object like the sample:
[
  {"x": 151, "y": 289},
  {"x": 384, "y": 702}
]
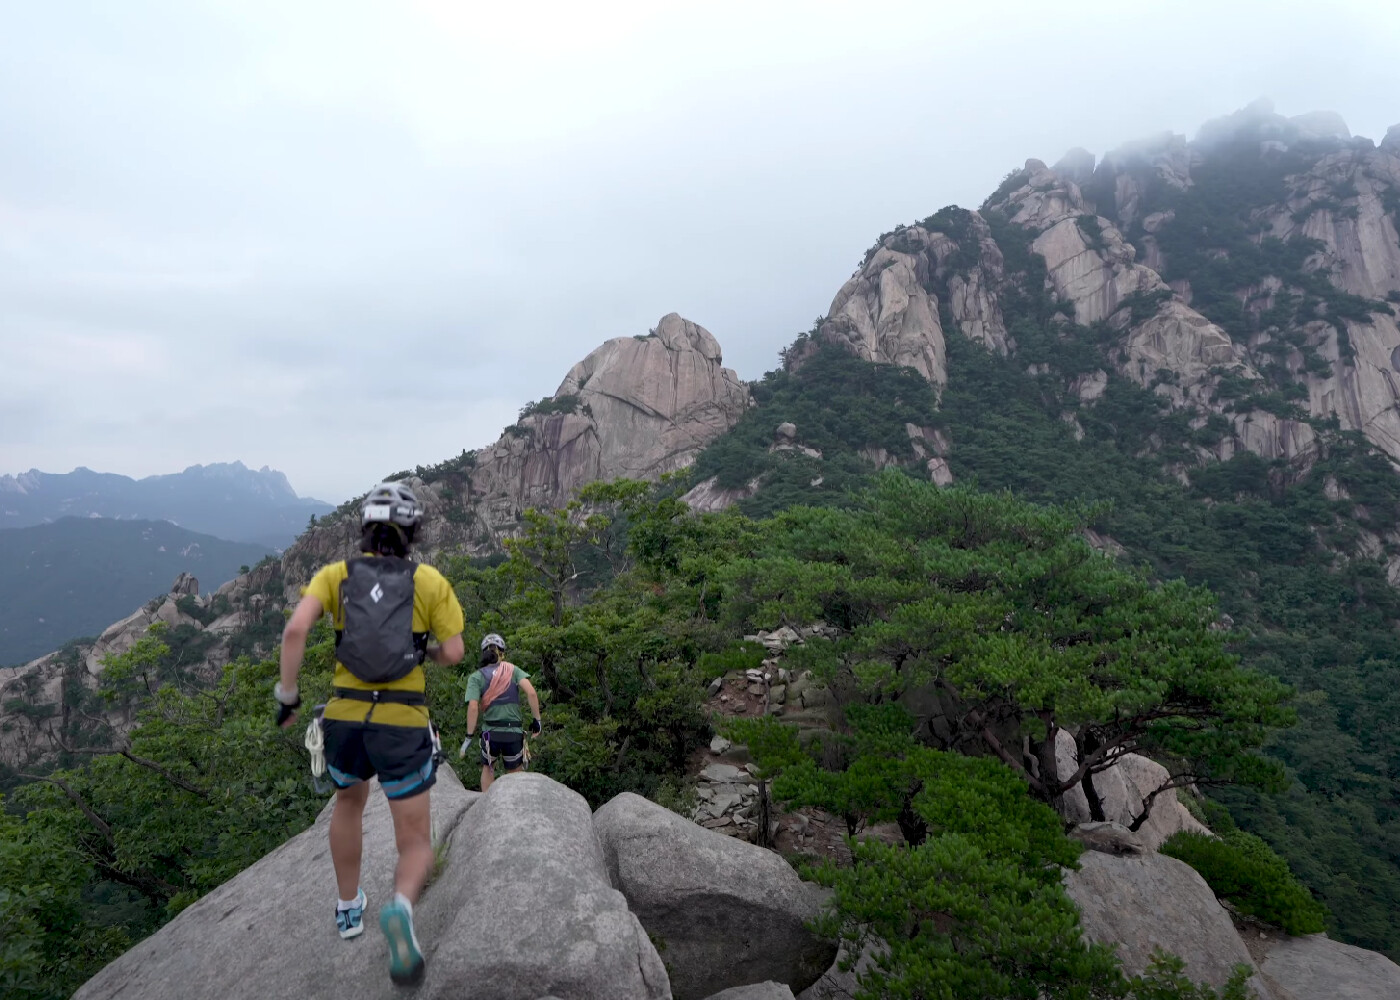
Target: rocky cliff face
[
  {"x": 636, "y": 407},
  {"x": 1251, "y": 274}
]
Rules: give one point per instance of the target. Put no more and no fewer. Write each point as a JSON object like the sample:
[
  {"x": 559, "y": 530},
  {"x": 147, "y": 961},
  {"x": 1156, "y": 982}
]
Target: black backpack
[{"x": 376, "y": 642}]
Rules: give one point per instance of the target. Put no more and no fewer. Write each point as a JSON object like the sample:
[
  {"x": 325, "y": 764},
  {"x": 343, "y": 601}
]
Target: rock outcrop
[
  {"x": 890, "y": 310},
  {"x": 1140, "y": 905},
  {"x": 884, "y": 313},
  {"x": 636, "y": 407},
  {"x": 531, "y": 910},
  {"x": 1343, "y": 194},
  {"x": 1122, "y": 789},
  {"x": 722, "y": 911},
  {"x": 521, "y": 907},
  {"x": 267, "y": 934},
  {"x": 1317, "y": 968}
]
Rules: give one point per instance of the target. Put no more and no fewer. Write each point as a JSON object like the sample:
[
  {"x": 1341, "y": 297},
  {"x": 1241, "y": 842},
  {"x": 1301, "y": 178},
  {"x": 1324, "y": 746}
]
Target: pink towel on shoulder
[{"x": 500, "y": 680}]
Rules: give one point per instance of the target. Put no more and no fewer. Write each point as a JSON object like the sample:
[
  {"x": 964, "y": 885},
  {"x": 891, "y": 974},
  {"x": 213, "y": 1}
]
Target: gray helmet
[
  {"x": 391, "y": 503},
  {"x": 492, "y": 639}
]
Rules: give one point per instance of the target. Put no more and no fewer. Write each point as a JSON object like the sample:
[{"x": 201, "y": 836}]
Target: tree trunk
[
  {"x": 1088, "y": 743},
  {"x": 1049, "y": 770},
  {"x": 911, "y": 824}
]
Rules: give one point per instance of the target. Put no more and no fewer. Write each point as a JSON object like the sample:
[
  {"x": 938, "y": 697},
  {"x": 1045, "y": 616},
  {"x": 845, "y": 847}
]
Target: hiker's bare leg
[
  {"x": 346, "y": 839},
  {"x": 488, "y": 775},
  {"x": 414, "y": 837}
]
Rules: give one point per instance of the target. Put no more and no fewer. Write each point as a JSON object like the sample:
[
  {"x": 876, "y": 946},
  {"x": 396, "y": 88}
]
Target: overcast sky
[{"x": 341, "y": 238}]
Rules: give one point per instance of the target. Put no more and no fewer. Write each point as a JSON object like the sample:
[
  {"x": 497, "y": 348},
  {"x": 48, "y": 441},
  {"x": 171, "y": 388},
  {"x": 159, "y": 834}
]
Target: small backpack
[{"x": 376, "y": 642}]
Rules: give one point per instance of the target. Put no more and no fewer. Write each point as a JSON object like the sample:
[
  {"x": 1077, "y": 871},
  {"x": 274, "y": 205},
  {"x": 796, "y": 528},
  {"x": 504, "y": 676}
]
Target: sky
[{"x": 343, "y": 238}]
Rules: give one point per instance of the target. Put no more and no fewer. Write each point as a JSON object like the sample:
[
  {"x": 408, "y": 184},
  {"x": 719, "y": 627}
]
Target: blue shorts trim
[{"x": 404, "y": 787}]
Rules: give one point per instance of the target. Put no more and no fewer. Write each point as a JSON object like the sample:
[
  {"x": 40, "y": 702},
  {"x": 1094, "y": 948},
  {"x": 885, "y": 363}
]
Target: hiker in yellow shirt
[{"x": 384, "y": 607}]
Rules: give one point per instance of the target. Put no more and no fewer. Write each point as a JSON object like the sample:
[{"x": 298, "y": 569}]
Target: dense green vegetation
[
  {"x": 838, "y": 409},
  {"x": 76, "y": 576},
  {"x": 971, "y": 903},
  {"x": 1241, "y": 868},
  {"x": 1262, "y": 537},
  {"x": 621, "y": 666}
]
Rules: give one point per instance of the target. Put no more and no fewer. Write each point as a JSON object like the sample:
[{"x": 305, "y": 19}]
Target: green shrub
[{"x": 1243, "y": 869}]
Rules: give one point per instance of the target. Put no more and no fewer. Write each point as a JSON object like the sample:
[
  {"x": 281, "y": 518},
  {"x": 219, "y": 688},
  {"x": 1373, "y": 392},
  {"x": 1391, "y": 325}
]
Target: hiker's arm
[
  {"x": 307, "y": 613},
  {"x": 449, "y": 651},
  {"x": 472, "y": 707},
  {"x": 534, "y": 699}
]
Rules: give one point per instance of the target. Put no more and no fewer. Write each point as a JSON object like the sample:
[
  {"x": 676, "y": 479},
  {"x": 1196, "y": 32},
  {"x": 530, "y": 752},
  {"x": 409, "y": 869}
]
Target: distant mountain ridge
[
  {"x": 76, "y": 576},
  {"x": 227, "y": 500}
]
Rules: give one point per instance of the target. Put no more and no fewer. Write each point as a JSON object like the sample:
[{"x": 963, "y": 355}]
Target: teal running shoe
[
  {"x": 351, "y": 922},
  {"x": 406, "y": 963}
]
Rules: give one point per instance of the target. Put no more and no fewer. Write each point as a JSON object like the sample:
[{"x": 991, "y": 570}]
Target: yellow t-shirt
[{"x": 435, "y": 610}]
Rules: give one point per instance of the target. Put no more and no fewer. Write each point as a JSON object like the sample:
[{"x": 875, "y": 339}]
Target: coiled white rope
[{"x": 316, "y": 744}]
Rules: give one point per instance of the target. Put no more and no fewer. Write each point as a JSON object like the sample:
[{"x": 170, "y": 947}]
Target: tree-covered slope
[
  {"x": 78, "y": 575},
  {"x": 1265, "y": 538}
]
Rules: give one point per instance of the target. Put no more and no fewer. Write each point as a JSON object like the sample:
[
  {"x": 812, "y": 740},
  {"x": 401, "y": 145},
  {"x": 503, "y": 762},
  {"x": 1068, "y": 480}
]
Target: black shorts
[
  {"x": 402, "y": 756},
  {"x": 508, "y": 748}
]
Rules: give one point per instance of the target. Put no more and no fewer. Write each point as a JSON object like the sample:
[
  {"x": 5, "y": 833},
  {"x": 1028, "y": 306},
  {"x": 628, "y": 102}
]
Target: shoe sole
[{"x": 406, "y": 965}]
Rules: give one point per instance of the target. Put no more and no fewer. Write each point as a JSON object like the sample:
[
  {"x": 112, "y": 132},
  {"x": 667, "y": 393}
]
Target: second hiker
[{"x": 493, "y": 698}]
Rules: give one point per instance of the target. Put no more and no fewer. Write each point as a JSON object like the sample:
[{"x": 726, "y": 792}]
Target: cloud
[{"x": 244, "y": 229}]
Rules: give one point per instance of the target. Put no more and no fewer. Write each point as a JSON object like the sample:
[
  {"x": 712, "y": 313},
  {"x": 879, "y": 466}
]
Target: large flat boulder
[
  {"x": 524, "y": 907},
  {"x": 1155, "y": 902},
  {"x": 269, "y": 933},
  {"x": 724, "y": 913},
  {"x": 1317, "y": 968}
]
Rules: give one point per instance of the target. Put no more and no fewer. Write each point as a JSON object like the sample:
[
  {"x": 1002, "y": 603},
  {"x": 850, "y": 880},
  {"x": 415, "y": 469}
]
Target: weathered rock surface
[
  {"x": 1155, "y": 902},
  {"x": 222, "y": 947},
  {"x": 757, "y": 991},
  {"x": 1109, "y": 838},
  {"x": 884, "y": 314},
  {"x": 1121, "y": 790},
  {"x": 528, "y": 868},
  {"x": 1318, "y": 968},
  {"x": 724, "y": 913}
]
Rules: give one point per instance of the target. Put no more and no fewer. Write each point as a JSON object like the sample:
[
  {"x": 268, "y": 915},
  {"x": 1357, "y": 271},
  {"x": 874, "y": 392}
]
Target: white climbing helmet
[
  {"x": 391, "y": 503},
  {"x": 492, "y": 639}
]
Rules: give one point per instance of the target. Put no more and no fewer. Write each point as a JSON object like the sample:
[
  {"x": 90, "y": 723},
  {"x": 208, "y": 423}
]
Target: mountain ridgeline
[
  {"x": 1192, "y": 346},
  {"x": 226, "y": 500}
]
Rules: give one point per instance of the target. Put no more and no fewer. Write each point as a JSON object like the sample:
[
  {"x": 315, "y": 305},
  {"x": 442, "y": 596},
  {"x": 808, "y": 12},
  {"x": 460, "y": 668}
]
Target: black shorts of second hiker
[
  {"x": 402, "y": 756},
  {"x": 508, "y": 748}
]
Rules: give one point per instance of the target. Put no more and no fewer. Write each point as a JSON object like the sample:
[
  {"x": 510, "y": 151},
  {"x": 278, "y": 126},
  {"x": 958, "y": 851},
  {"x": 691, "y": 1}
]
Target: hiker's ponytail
[{"x": 490, "y": 655}]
